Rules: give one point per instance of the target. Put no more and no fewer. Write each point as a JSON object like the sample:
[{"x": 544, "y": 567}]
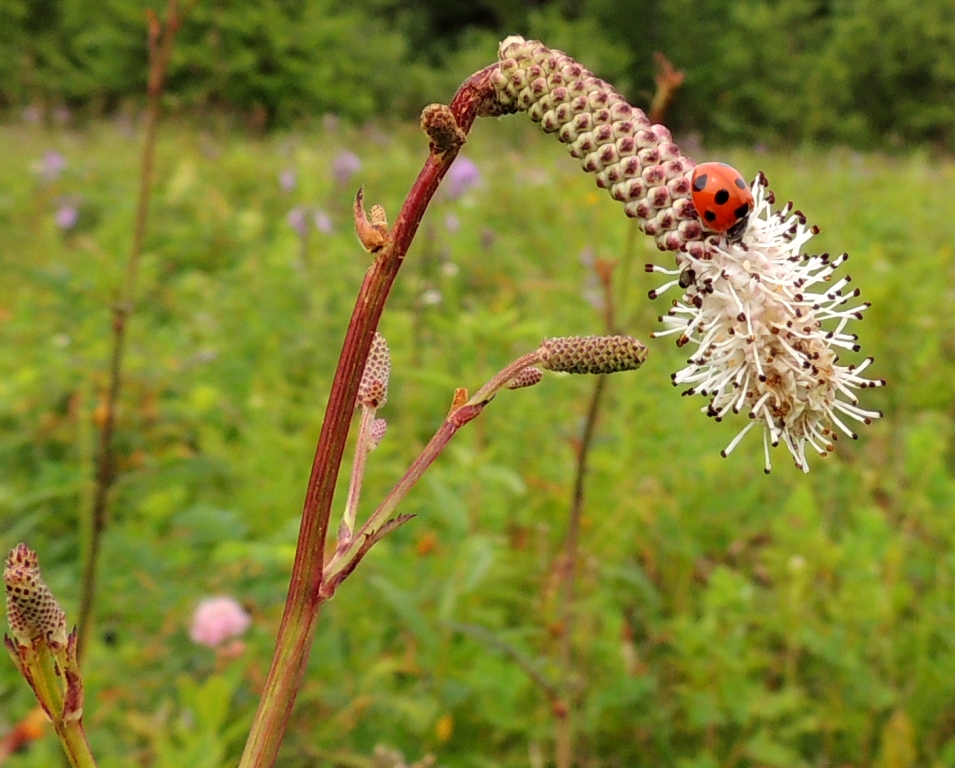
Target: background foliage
[
  {"x": 725, "y": 618},
  {"x": 870, "y": 73}
]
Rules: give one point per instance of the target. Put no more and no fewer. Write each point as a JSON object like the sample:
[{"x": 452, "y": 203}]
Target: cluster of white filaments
[{"x": 765, "y": 320}]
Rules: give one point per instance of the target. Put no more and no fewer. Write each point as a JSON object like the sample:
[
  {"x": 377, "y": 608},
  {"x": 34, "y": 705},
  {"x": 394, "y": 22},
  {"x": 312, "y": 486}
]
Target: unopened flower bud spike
[
  {"x": 372, "y": 395},
  {"x": 44, "y": 653},
  {"x": 635, "y": 161}
]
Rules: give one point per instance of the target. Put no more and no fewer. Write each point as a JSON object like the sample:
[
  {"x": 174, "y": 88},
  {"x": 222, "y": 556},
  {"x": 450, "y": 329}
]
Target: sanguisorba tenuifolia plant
[
  {"x": 763, "y": 318},
  {"x": 754, "y": 307}
]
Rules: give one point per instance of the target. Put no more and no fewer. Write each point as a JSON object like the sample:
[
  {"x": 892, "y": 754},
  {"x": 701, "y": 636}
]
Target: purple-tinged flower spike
[
  {"x": 526, "y": 378},
  {"x": 637, "y": 162},
  {"x": 376, "y": 433},
  {"x": 766, "y": 321},
  {"x": 372, "y": 395},
  {"x": 43, "y": 652},
  {"x": 32, "y": 611},
  {"x": 592, "y": 354},
  {"x": 373, "y": 389}
]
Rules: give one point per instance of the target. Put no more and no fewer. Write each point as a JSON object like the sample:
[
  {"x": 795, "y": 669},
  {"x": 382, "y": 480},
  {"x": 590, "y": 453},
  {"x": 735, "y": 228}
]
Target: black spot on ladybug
[
  {"x": 699, "y": 184},
  {"x": 722, "y": 197},
  {"x": 742, "y": 211},
  {"x": 710, "y": 215},
  {"x": 740, "y": 183}
]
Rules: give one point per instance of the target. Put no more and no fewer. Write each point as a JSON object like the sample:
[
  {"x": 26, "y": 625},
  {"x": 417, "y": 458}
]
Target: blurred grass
[{"x": 727, "y": 618}]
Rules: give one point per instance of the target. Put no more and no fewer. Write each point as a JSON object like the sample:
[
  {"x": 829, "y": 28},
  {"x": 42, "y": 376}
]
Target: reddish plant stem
[
  {"x": 160, "y": 48},
  {"x": 305, "y": 587},
  {"x": 565, "y": 711}
]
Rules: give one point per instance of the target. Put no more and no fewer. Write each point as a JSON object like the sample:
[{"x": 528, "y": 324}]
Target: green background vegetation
[
  {"x": 725, "y": 619},
  {"x": 861, "y": 72}
]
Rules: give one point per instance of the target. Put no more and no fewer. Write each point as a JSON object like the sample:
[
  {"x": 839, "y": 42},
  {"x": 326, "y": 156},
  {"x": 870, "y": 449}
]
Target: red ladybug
[{"x": 722, "y": 198}]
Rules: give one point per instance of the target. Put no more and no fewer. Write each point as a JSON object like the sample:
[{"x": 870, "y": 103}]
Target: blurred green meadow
[{"x": 725, "y": 618}]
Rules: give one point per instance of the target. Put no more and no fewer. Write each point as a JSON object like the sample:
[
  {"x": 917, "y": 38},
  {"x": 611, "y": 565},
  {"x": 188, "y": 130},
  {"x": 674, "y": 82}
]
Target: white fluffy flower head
[{"x": 765, "y": 320}]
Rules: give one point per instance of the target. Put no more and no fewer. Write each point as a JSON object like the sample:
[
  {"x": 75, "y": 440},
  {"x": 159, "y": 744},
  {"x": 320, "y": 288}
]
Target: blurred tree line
[{"x": 862, "y": 72}]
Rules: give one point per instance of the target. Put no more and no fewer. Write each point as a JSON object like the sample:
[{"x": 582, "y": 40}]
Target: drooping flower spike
[
  {"x": 635, "y": 161},
  {"x": 761, "y": 314},
  {"x": 765, "y": 321}
]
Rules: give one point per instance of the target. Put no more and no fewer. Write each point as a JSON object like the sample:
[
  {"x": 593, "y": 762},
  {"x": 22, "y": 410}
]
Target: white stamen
[{"x": 757, "y": 322}]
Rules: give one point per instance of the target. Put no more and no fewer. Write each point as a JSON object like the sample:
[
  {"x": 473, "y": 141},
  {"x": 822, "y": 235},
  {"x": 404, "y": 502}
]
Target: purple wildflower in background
[
  {"x": 323, "y": 222},
  {"x": 62, "y": 115},
  {"x": 298, "y": 220},
  {"x": 218, "y": 619},
  {"x": 67, "y": 215},
  {"x": 345, "y": 165},
  {"x": 462, "y": 176},
  {"x": 452, "y": 223},
  {"x": 288, "y": 179},
  {"x": 51, "y": 166},
  {"x": 32, "y": 115}
]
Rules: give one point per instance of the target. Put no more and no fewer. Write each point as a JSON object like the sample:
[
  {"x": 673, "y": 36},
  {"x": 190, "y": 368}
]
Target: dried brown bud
[
  {"x": 592, "y": 354},
  {"x": 378, "y": 218},
  {"x": 528, "y": 377},
  {"x": 372, "y": 230},
  {"x": 373, "y": 390},
  {"x": 32, "y": 611},
  {"x": 439, "y": 123}
]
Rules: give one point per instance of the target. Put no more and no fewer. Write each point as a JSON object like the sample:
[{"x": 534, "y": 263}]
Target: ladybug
[{"x": 722, "y": 198}]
